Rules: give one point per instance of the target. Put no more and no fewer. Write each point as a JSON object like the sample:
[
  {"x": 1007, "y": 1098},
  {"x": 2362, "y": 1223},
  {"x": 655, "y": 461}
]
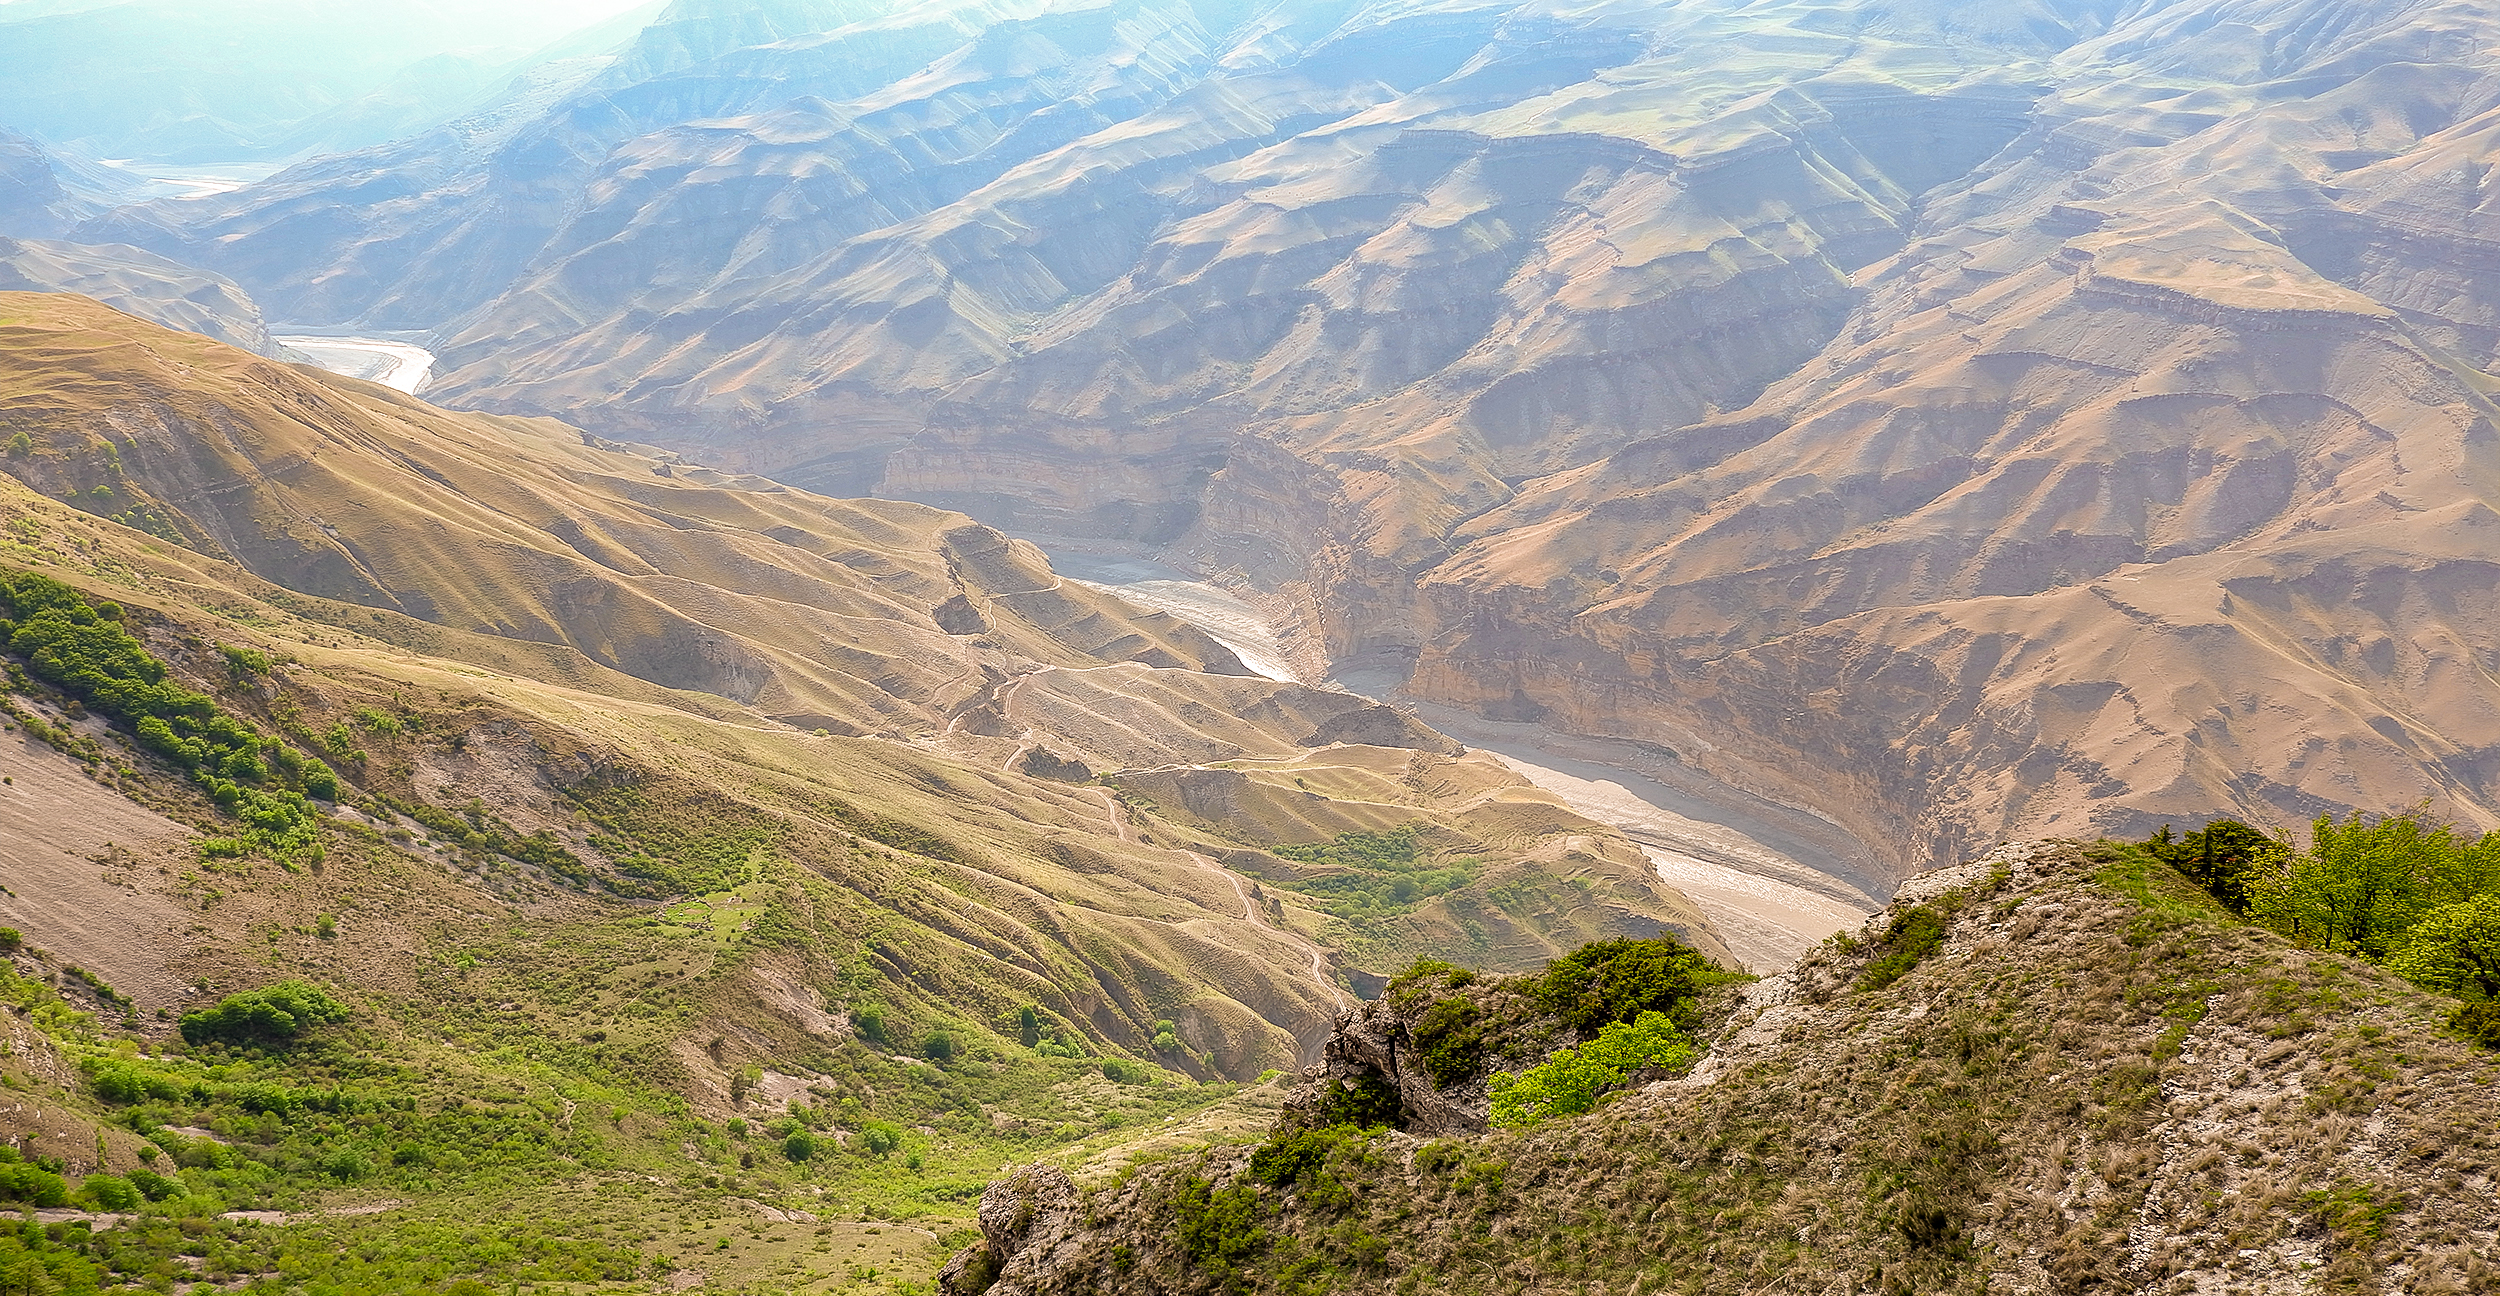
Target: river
[
  {"x": 1773, "y": 880},
  {"x": 392, "y": 362}
]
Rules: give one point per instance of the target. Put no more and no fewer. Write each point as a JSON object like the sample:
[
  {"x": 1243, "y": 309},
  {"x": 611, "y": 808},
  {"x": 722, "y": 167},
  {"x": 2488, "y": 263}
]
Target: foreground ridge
[{"x": 2056, "y": 1068}]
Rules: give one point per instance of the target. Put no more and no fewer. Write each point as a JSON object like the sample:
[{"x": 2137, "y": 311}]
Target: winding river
[{"x": 1773, "y": 880}]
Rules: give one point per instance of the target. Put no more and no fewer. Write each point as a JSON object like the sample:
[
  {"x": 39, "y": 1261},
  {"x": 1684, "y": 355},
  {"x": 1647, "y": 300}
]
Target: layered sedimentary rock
[
  {"x": 2153, "y": 478},
  {"x": 1953, "y": 417}
]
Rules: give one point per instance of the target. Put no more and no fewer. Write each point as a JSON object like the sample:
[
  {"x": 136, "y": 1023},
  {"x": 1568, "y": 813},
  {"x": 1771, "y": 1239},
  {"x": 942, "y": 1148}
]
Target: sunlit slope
[
  {"x": 698, "y": 685},
  {"x": 2157, "y": 477},
  {"x": 818, "y": 611}
]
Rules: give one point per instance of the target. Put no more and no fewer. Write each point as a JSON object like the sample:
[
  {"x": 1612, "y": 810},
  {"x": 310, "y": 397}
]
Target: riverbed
[
  {"x": 1773, "y": 879},
  {"x": 389, "y": 361}
]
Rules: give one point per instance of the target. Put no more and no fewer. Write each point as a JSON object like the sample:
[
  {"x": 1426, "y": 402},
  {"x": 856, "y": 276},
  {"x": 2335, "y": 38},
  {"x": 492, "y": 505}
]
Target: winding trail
[{"x": 1327, "y": 984}]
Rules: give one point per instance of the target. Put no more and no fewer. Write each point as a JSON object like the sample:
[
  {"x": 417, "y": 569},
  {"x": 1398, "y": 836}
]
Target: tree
[
  {"x": 2455, "y": 949},
  {"x": 2361, "y": 884},
  {"x": 2225, "y": 857}
]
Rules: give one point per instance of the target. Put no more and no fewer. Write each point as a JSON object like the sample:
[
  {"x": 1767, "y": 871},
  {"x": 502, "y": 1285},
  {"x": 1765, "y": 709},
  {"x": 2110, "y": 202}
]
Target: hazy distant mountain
[
  {"x": 225, "y": 80},
  {"x": 1954, "y": 415}
]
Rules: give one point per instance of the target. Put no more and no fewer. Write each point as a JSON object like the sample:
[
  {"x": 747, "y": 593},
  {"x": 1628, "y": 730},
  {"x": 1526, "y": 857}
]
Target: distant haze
[{"x": 196, "y": 81}]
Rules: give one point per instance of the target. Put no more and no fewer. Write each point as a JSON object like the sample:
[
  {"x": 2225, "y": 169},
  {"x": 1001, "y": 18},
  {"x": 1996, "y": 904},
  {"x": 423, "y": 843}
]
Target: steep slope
[
  {"x": 139, "y": 283},
  {"x": 2091, "y": 1078},
  {"x": 613, "y": 636},
  {"x": 2113, "y": 504},
  {"x": 1788, "y": 383}
]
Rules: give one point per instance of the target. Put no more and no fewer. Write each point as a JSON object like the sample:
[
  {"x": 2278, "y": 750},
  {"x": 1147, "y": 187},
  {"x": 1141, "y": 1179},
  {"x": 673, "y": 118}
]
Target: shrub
[
  {"x": 1916, "y": 933},
  {"x": 1617, "y": 980},
  {"x": 2479, "y": 1022},
  {"x": 11, "y": 940},
  {"x": 799, "y": 1145},
  {"x": 154, "y": 1186},
  {"x": 939, "y": 1047},
  {"x": 20, "y": 1181},
  {"x": 1123, "y": 1071},
  {"x": 1218, "y": 1227},
  {"x": 109, "y": 1192},
  {"x": 880, "y": 1138},
  {"x": 1450, "y": 1036},
  {"x": 1366, "y": 1102},
  {"x": 1570, "y": 1082},
  {"x": 273, "y": 1016}
]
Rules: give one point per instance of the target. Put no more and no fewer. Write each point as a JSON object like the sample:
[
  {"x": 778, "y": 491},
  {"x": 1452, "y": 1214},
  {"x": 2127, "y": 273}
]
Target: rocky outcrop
[
  {"x": 2094, "y": 1079},
  {"x": 1022, "y": 1216}
]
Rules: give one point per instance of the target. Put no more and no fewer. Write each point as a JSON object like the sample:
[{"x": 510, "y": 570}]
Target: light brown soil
[{"x": 81, "y": 863}]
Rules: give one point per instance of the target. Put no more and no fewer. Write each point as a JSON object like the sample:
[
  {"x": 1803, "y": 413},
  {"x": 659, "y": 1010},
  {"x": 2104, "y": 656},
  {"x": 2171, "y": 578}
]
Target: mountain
[
  {"x": 626, "y": 600},
  {"x": 2089, "y": 1077},
  {"x": 1951, "y": 418},
  {"x": 138, "y": 283},
  {"x": 43, "y": 194},
  {"x": 507, "y": 855}
]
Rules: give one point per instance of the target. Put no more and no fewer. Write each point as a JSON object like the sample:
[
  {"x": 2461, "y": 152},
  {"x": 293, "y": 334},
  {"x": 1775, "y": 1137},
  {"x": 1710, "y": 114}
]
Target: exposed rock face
[
  {"x": 1960, "y": 420},
  {"x": 1023, "y": 1215}
]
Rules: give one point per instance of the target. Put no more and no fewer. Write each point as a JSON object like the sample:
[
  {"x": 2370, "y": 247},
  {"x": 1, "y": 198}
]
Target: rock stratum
[{"x": 1963, "y": 419}]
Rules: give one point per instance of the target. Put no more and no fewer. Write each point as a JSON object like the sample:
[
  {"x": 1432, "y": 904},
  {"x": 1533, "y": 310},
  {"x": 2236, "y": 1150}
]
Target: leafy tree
[
  {"x": 2455, "y": 949},
  {"x": 1570, "y": 1082},
  {"x": 2362, "y": 883},
  {"x": 272, "y": 1016},
  {"x": 2223, "y": 857}
]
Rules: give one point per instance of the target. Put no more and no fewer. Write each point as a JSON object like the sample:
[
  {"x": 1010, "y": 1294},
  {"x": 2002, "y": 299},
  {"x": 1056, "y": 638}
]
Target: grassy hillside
[
  {"x": 659, "y": 874},
  {"x": 2065, "y": 1068}
]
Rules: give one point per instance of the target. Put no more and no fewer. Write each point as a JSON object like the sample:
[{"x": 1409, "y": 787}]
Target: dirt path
[{"x": 1249, "y": 907}]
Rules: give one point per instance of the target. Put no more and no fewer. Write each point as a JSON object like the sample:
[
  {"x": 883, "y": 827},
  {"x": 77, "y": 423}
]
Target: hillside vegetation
[
  {"x": 459, "y": 854},
  {"x": 2063, "y": 1068}
]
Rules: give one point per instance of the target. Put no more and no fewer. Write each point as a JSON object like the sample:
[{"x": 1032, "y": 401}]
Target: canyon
[{"x": 1957, "y": 421}]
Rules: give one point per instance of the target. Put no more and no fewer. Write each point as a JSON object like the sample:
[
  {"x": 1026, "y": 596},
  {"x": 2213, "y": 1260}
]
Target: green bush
[
  {"x": 154, "y": 1186},
  {"x": 2455, "y": 949},
  {"x": 1571, "y": 1081},
  {"x": 2479, "y": 1022},
  {"x": 1218, "y": 1227},
  {"x": 1450, "y": 1037},
  {"x": 1367, "y": 1102},
  {"x": 799, "y": 1145},
  {"x": 25, "y": 1182},
  {"x": 880, "y": 1138},
  {"x": 1123, "y": 1071},
  {"x": 272, "y": 1016},
  {"x": 109, "y": 1192},
  {"x": 1617, "y": 980}
]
